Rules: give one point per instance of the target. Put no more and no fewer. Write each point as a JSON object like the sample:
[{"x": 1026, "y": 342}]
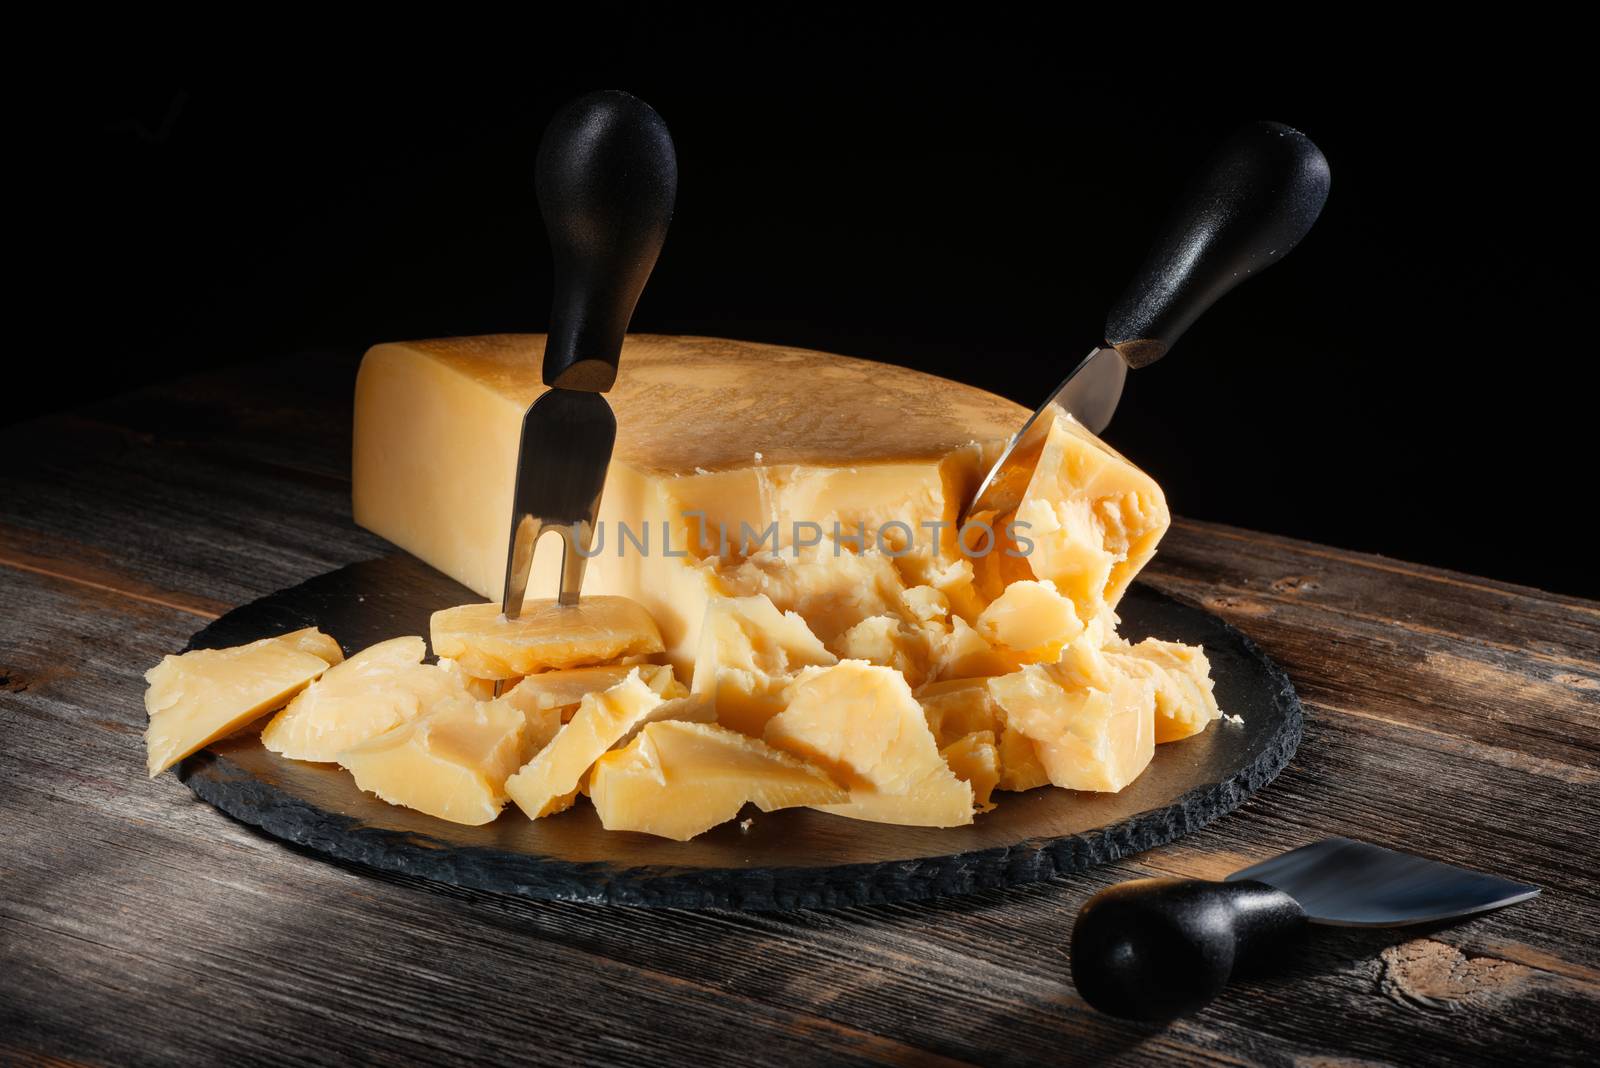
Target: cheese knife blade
[
  {"x": 1253, "y": 200},
  {"x": 1155, "y": 949},
  {"x": 607, "y": 177}
]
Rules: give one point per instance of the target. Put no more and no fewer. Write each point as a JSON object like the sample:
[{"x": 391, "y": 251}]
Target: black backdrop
[{"x": 1407, "y": 382}]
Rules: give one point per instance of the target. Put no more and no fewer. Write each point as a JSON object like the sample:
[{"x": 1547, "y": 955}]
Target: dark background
[{"x": 1407, "y": 382}]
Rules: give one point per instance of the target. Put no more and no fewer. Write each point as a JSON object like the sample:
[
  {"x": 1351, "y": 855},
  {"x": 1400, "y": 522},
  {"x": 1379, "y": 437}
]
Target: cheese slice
[
  {"x": 861, "y": 724},
  {"x": 207, "y": 694},
  {"x": 547, "y": 783},
  {"x": 749, "y": 653},
  {"x": 545, "y": 635},
  {"x": 712, "y": 436},
  {"x": 681, "y": 779},
  {"x": 1091, "y": 721},
  {"x": 381, "y": 687},
  {"x": 450, "y": 762}
]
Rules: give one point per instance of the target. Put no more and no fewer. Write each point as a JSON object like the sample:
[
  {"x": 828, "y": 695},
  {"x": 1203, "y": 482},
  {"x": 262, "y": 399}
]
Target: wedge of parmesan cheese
[{"x": 207, "y": 694}]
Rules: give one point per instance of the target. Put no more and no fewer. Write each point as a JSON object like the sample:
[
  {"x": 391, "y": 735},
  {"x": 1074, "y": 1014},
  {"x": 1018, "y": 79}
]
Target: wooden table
[{"x": 1447, "y": 714}]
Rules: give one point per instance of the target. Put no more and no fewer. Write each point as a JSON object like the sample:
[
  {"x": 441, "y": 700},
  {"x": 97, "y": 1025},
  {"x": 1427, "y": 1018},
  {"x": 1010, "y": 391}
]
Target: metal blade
[
  {"x": 1089, "y": 394},
  {"x": 1344, "y": 883},
  {"x": 567, "y": 437}
]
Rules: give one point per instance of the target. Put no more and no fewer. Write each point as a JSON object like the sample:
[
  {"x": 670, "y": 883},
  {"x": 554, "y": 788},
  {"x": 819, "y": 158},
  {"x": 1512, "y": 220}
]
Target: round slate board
[{"x": 790, "y": 859}]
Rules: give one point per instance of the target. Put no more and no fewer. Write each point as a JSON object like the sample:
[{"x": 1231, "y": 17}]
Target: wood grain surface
[{"x": 1454, "y": 716}]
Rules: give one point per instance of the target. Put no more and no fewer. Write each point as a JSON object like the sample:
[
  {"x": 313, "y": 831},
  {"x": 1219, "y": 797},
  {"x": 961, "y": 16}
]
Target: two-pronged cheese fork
[{"x": 607, "y": 176}]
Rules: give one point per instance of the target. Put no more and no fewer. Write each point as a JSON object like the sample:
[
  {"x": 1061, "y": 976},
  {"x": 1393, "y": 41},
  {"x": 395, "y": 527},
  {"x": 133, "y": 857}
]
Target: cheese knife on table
[
  {"x": 607, "y": 176},
  {"x": 1154, "y": 949},
  {"x": 1251, "y": 202}
]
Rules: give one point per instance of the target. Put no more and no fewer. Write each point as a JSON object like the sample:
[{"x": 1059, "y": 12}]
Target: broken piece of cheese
[
  {"x": 860, "y": 723},
  {"x": 958, "y": 709},
  {"x": 1093, "y": 519},
  {"x": 749, "y": 653},
  {"x": 1185, "y": 702},
  {"x": 546, "y": 784},
  {"x": 679, "y": 779},
  {"x": 1032, "y": 618},
  {"x": 376, "y": 690},
  {"x": 562, "y": 689},
  {"x": 206, "y": 694},
  {"x": 740, "y": 433},
  {"x": 451, "y": 762},
  {"x": 1091, "y": 720},
  {"x": 546, "y": 635}
]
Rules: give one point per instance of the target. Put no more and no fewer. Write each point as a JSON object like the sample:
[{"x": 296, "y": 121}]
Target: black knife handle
[
  {"x": 607, "y": 176},
  {"x": 1252, "y": 202},
  {"x": 1154, "y": 949}
]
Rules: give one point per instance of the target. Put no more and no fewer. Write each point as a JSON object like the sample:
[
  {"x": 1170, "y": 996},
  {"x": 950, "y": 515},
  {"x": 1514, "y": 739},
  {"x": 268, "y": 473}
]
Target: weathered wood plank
[
  {"x": 1451, "y": 715},
  {"x": 199, "y": 900}
]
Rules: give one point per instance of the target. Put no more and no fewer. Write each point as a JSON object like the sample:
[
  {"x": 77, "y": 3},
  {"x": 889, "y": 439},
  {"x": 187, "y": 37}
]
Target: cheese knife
[
  {"x": 607, "y": 176},
  {"x": 1251, "y": 202},
  {"x": 1154, "y": 949}
]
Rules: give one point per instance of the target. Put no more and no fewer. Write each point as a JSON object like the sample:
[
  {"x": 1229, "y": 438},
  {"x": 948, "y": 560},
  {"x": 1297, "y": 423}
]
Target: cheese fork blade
[
  {"x": 1089, "y": 395},
  {"x": 1252, "y": 202},
  {"x": 567, "y": 438}
]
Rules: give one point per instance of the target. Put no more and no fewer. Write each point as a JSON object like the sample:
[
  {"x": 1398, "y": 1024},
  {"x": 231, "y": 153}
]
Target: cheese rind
[
  {"x": 450, "y": 762},
  {"x": 376, "y": 690},
  {"x": 679, "y": 779},
  {"x": 546, "y": 635},
  {"x": 206, "y": 694}
]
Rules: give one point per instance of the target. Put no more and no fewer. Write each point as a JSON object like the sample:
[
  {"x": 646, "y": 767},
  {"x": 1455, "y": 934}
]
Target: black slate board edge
[{"x": 235, "y": 792}]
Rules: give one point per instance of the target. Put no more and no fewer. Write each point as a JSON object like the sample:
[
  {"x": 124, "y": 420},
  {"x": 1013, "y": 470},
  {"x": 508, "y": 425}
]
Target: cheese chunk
[
  {"x": 376, "y": 690},
  {"x": 1032, "y": 618},
  {"x": 561, "y": 690},
  {"x": 450, "y": 762},
  {"x": 545, "y": 784},
  {"x": 712, "y": 436},
  {"x": 1181, "y": 674},
  {"x": 1020, "y": 767},
  {"x": 680, "y": 779},
  {"x": 860, "y": 723},
  {"x": 1093, "y": 519},
  {"x": 207, "y": 694},
  {"x": 1091, "y": 722},
  {"x": 545, "y": 635},
  {"x": 956, "y": 708},
  {"x": 749, "y": 653},
  {"x": 975, "y": 760}
]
